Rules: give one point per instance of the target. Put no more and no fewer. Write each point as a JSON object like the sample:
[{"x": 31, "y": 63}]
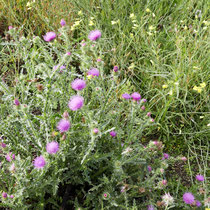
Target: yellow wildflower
[
  {"x": 91, "y": 23},
  {"x": 131, "y": 66},
  {"x": 164, "y": 86},
  {"x": 151, "y": 28},
  {"x": 89, "y": 76},
  {"x": 148, "y": 10},
  {"x": 115, "y": 22},
  {"x": 198, "y": 89},
  {"x": 206, "y": 22},
  {"x": 170, "y": 92},
  {"x": 80, "y": 13},
  {"x": 203, "y": 85},
  {"x": 132, "y": 16}
]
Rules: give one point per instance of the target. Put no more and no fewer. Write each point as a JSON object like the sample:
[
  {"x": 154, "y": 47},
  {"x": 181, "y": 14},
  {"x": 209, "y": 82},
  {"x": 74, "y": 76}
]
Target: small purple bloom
[
  {"x": 144, "y": 100},
  {"x": 143, "y": 108},
  {"x": 136, "y": 96},
  {"x": 164, "y": 182},
  {"x": 98, "y": 60},
  {"x": 10, "y": 156},
  {"x": 4, "y": 195},
  {"x": 150, "y": 207},
  {"x": 52, "y": 147},
  {"x": 93, "y": 72},
  {"x": 49, "y": 36},
  {"x": 95, "y": 130},
  {"x": 68, "y": 53},
  {"x": 78, "y": 84},
  {"x": 115, "y": 68},
  {"x": 39, "y": 162},
  {"x": 165, "y": 156},
  {"x": 11, "y": 196},
  {"x": 126, "y": 96},
  {"x": 55, "y": 67},
  {"x": 83, "y": 44},
  {"x": 10, "y": 27},
  {"x": 188, "y": 198},
  {"x": 152, "y": 120},
  {"x": 62, "y": 67},
  {"x": 76, "y": 102},
  {"x": 149, "y": 114},
  {"x": 94, "y": 35},
  {"x": 63, "y": 125},
  {"x": 113, "y": 133},
  {"x": 183, "y": 158},
  {"x": 63, "y": 22},
  {"x": 200, "y": 178},
  {"x": 3, "y": 144},
  {"x": 16, "y": 102},
  {"x": 66, "y": 115},
  {"x": 198, "y": 203},
  {"x": 149, "y": 168}
]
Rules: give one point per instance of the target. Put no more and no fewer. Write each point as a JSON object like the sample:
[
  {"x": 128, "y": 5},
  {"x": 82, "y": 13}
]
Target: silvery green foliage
[{"x": 102, "y": 171}]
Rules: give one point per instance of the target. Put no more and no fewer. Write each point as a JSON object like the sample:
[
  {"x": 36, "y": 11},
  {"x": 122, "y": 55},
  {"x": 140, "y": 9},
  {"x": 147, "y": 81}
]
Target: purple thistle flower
[
  {"x": 126, "y": 96},
  {"x": 3, "y": 144},
  {"x": 11, "y": 196},
  {"x": 68, "y": 53},
  {"x": 49, "y": 36},
  {"x": 200, "y": 178},
  {"x": 149, "y": 168},
  {"x": 66, "y": 115},
  {"x": 94, "y": 35},
  {"x": 149, "y": 114},
  {"x": 143, "y": 108},
  {"x": 12, "y": 167},
  {"x": 10, "y": 156},
  {"x": 16, "y": 102},
  {"x": 115, "y": 68},
  {"x": 198, "y": 203},
  {"x": 136, "y": 96},
  {"x": 150, "y": 207},
  {"x": 10, "y": 27},
  {"x": 93, "y": 72},
  {"x": 183, "y": 158},
  {"x": 83, "y": 44},
  {"x": 39, "y": 162},
  {"x": 62, "y": 67},
  {"x": 165, "y": 156},
  {"x": 113, "y": 133},
  {"x": 98, "y": 60},
  {"x": 95, "y": 130},
  {"x": 78, "y": 84},
  {"x": 55, "y": 67},
  {"x": 144, "y": 100},
  {"x": 188, "y": 198},
  {"x": 4, "y": 195},
  {"x": 63, "y": 22},
  {"x": 164, "y": 182},
  {"x": 63, "y": 125},
  {"x": 76, "y": 102},
  {"x": 52, "y": 147}
]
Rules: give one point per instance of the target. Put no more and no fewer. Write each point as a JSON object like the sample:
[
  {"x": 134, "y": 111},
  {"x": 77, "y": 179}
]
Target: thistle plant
[{"x": 75, "y": 128}]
